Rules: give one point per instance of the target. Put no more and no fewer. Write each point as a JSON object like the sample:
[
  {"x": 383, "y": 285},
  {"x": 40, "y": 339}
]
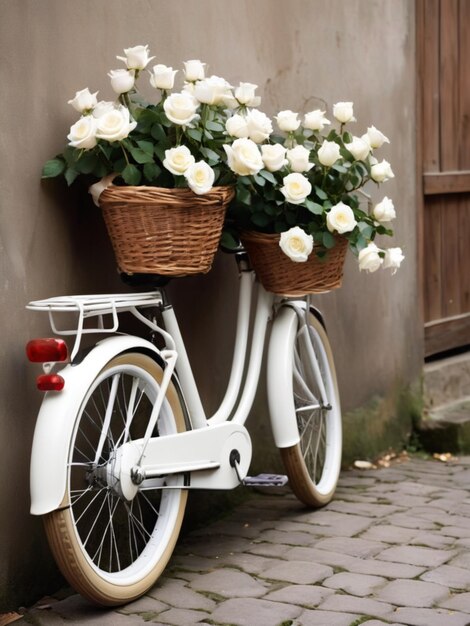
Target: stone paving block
[
  {"x": 390, "y": 534},
  {"x": 384, "y": 568},
  {"x": 191, "y": 562},
  {"x": 404, "y": 500},
  {"x": 461, "y": 560},
  {"x": 275, "y": 550},
  {"x": 407, "y": 521},
  {"x": 304, "y": 595},
  {"x": 351, "y": 546},
  {"x": 414, "y": 555},
  {"x": 428, "y": 617},
  {"x": 217, "y": 546},
  {"x": 241, "y": 612},
  {"x": 332, "y": 525},
  {"x": 288, "y": 538},
  {"x": 300, "y": 572},
  {"x": 238, "y": 529},
  {"x": 369, "y": 510},
  {"x": 414, "y": 489},
  {"x": 182, "y": 617},
  {"x": 76, "y": 609},
  {"x": 457, "y": 532},
  {"x": 351, "y": 604},
  {"x": 229, "y": 584},
  {"x": 335, "y": 559},
  {"x": 412, "y": 593},
  {"x": 146, "y": 604},
  {"x": 250, "y": 563},
  {"x": 449, "y": 576},
  {"x": 376, "y": 622},
  {"x": 458, "y": 602},
  {"x": 432, "y": 540},
  {"x": 325, "y": 618},
  {"x": 356, "y": 584},
  {"x": 177, "y": 594}
]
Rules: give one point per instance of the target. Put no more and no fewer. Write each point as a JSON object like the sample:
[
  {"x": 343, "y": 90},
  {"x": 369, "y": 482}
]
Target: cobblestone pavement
[{"x": 392, "y": 548}]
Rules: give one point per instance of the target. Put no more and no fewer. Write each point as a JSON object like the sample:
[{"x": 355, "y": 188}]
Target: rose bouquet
[
  {"x": 306, "y": 185},
  {"x": 174, "y": 142}
]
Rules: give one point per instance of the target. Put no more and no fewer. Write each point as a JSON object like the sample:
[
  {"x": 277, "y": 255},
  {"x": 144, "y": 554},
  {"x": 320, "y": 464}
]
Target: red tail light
[
  {"x": 46, "y": 350},
  {"x": 50, "y": 382}
]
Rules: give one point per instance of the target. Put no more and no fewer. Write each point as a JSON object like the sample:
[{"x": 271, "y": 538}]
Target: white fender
[
  {"x": 54, "y": 426},
  {"x": 280, "y": 383}
]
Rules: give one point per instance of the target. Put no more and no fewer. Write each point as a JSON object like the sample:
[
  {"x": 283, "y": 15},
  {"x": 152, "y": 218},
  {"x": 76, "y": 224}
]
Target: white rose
[
  {"x": 259, "y": 126},
  {"x": 315, "y": 120},
  {"x": 287, "y": 121},
  {"x": 296, "y": 244},
  {"x": 245, "y": 94},
  {"x": 380, "y": 172},
  {"x": 343, "y": 112},
  {"x": 115, "y": 125},
  {"x": 200, "y": 177},
  {"x": 328, "y": 153},
  {"x": 296, "y": 188},
  {"x": 359, "y": 148},
  {"x": 384, "y": 211},
  {"x": 103, "y": 107},
  {"x": 193, "y": 70},
  {"x": 243, "y": 157},
  {"x": 212, "y": 90},
  {"x": 177, "y": 160},
  {"x": 137, "y": 58},
  {"x": 84, "y": 100},
  {"x": 236, "y": 126},
  {"x": 162, "y": 77},
  {"x": 274, "y": 156},
  {"x": 375, "y": 137},
  {"x": 83, "y": 133},
  {"x": 340, "y": 218},
  {"x": 180, "y": 108},
  {"x": 393, "y": 259},
  {"x": 298, "y": 159},
  {"x": 122, "y": 81},
  {"x": 369, "y": 259}
]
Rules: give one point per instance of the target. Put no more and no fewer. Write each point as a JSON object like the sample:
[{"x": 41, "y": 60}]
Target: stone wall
[{"x": 302, "y": 54}]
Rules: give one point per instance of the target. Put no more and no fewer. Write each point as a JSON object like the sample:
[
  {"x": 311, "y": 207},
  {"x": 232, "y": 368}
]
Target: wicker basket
[
  {"x": 172, "y": 232},
  {"x": 282, "y": 276}
]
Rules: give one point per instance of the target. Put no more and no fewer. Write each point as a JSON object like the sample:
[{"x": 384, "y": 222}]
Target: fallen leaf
[
  {"x": 8, "y": 618},
  {"x": 364, "y": 465}
]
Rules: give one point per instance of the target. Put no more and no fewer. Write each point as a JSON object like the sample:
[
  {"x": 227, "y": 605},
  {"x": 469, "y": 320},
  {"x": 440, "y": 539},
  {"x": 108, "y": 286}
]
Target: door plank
[
  {"x": 432, "y": 259},
  {"x": 464, "y": 82},
  {"x": 449, "y": 84},
  {"x": 428, "y": 12},
  {"x": 446, "y": 182}
]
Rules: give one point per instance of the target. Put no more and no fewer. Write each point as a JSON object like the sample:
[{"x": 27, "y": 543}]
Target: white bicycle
[{"x": 122, "y": 435}]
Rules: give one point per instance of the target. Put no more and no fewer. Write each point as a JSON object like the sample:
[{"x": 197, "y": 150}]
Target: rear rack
[{"x": 99, "y": 305}]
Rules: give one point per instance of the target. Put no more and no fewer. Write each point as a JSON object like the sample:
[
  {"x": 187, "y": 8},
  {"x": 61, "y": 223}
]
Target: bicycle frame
[{"x": 206, "y": 452}]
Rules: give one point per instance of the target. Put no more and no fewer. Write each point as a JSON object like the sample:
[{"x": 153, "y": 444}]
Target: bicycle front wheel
[
  {"x": 109, "y": 548},
  {"x": 313, "y": 464}
]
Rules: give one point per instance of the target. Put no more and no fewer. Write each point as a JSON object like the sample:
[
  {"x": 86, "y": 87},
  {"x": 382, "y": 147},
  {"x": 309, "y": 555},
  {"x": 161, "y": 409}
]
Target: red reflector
[
  {"x": 46, "y": 350},
  {"x": 50, "y": 382}
]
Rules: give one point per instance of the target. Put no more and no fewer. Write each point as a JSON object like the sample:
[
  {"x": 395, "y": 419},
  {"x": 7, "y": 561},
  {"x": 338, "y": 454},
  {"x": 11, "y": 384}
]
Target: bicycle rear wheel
[
  {"x": 313, "y": 464},
  {"x": 111, "y": 549}
]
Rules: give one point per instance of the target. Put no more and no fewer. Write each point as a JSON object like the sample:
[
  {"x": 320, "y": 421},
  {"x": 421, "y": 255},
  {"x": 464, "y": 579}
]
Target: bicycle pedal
[{"x": 265, "y": 480}]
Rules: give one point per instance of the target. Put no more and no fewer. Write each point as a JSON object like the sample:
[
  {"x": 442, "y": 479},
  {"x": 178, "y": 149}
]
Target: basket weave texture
[
  {"x": 172, "y": 232},
  {"x": 279, "y": 275}
]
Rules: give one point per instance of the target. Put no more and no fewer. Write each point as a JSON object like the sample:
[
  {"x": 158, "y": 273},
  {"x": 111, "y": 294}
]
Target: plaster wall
[{"x": 302, "y": 54}]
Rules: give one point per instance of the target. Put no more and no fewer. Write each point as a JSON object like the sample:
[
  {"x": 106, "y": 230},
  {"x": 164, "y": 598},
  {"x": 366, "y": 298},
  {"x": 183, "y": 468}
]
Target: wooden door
[{"x": 443, "y": 46}]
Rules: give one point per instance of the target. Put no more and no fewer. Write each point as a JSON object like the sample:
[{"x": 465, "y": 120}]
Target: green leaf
[
  {"x": 228, "y": 241},
  {"x": 146, "y": 146},
  {"x": 70, "y": 175},
  {"x": 243, "y": 195},
  {"x": 215, "y": 126},
  {"x": 195, "y": 134},
  {"x": 268, "y": 176},
  {"x": 320, "y": 193},
  {"x": 328, "y": 240},
  {"x": 210, "y": 154},
  {"x": 159, "y": 134},
  {"x": 86, "y": 163},
  {"x": 151, "y": 171},
  {"x": 140, "y": 156},
  {"x": 314, "y": 207},
  {"x": 207, "y": 134},
  {"x": 131, "y": 175},
  {"x": 259, "y": 180},
  {"x": 53, "y": 168}
]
